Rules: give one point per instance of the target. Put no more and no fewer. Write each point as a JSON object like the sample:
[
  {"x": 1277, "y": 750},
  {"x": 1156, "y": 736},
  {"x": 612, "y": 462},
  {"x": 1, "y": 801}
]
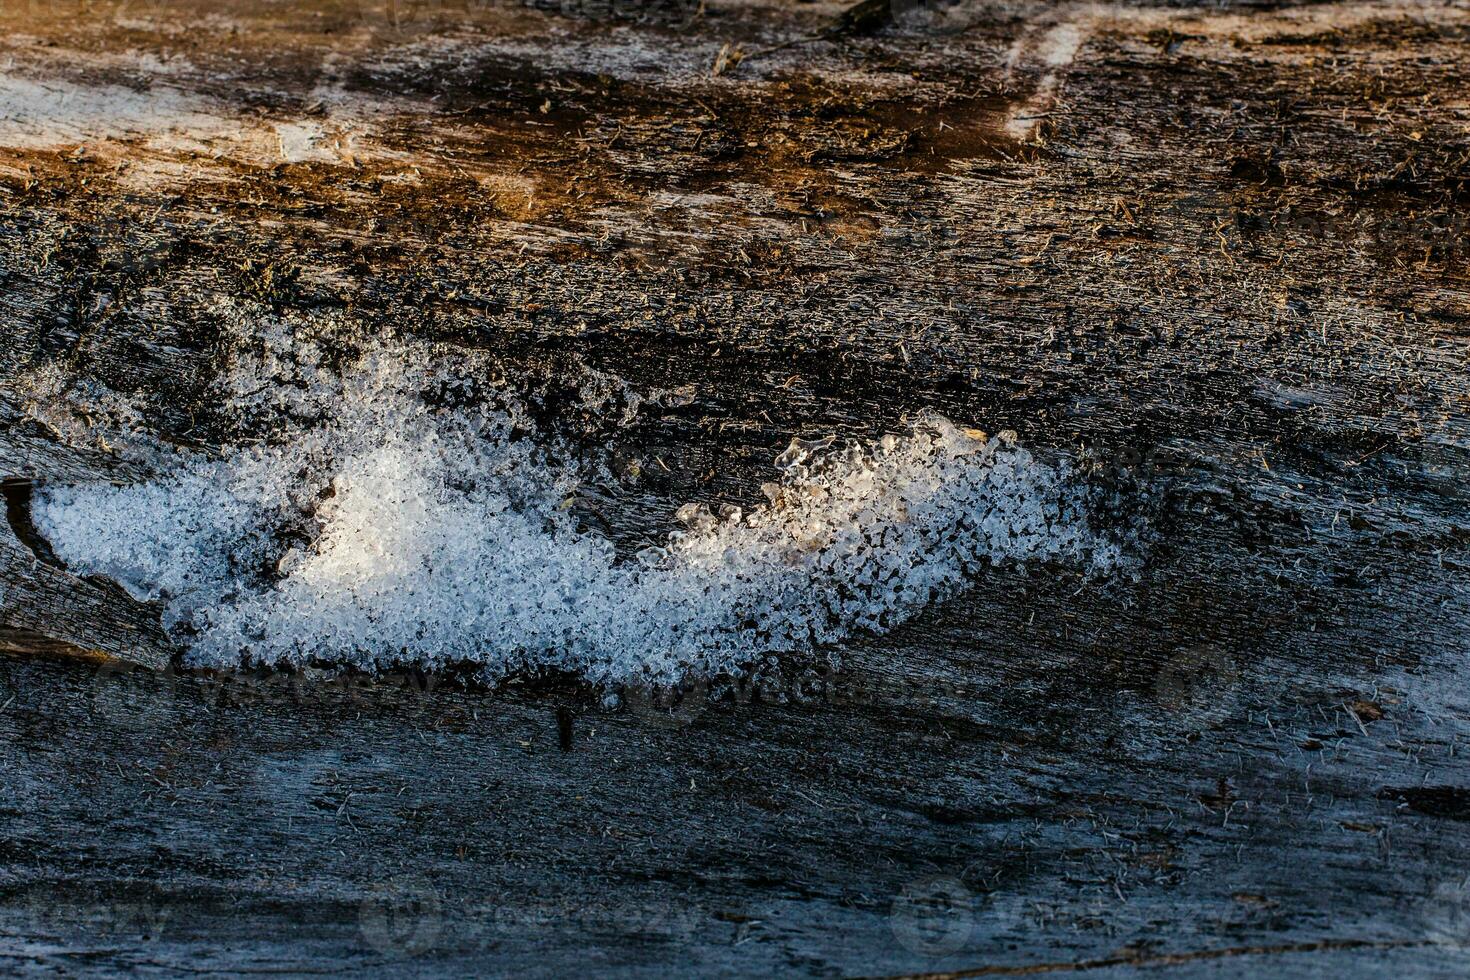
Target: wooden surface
[{"x": 1220, "y": 250}]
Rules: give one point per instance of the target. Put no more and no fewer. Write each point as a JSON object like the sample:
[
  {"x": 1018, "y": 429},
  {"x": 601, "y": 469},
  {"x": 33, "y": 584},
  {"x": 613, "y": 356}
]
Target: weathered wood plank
[{"x": 1222, "y": 249}]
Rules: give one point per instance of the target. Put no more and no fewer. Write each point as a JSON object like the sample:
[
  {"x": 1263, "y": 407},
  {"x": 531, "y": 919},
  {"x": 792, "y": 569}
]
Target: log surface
[{"x": 1221, "y": 248}]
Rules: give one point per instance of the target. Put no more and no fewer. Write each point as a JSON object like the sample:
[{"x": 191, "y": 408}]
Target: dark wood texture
[{"x": 1221, "y": 249}]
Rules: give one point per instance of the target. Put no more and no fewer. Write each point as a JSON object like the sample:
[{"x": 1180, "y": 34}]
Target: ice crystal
[{"x": 387, "y": 521}]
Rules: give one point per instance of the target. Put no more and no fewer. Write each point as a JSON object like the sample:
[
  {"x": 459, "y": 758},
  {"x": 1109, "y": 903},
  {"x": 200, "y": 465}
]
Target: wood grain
[{"x": 1220, "y": 250}]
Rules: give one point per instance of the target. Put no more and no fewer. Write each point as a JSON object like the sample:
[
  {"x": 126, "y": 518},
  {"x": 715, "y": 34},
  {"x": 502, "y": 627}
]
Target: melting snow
[{"x": 387, "y": 523}]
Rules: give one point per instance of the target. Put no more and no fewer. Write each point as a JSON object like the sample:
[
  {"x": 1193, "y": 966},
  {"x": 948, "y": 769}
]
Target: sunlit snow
[{"x": 381, "y": 528}]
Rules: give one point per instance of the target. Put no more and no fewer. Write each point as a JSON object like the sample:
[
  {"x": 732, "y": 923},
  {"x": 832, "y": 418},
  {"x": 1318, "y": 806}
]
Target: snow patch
[
  {"x": 400, "y": 514},
  {"x": 41, "y": 115}
]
